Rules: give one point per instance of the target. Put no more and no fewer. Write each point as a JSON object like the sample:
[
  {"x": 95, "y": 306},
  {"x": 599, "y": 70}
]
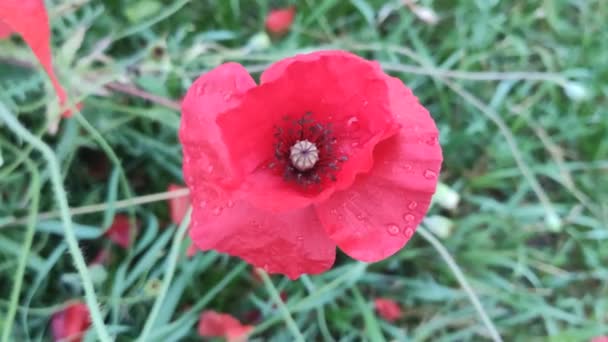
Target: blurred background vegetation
[{"x": 518, "y": 90}]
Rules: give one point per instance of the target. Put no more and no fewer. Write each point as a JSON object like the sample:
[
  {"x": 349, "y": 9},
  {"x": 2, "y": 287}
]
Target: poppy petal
[
  {"x": 387, "y": 309},
  {"x": 291, "y": 243},
  {"x": 30, "y": 20},
  {"x": 215, "y": 324},
  {"x": 5, "y": 31},
  {"x": 71, "y": 323},
  {"x": 120, "y": 232},
  {"x": 355, "y": 105},
  {"x": 205, "y": 156},
  {"x": 379, "y": 213},
  {"x": 279, "y": 21}
]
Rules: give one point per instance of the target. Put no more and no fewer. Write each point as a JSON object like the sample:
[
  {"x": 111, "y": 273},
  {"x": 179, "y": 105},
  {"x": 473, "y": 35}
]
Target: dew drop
[
  {"x": 210, "y": 169},
  {"x": 409, "y": 217},
  {"x": 202, "y": 204},
  {"x": 353, "y": 123},
  {"x": 360, "y": 217},
  {"x": 406, "y": 167},
  {"x": 199, "y": 90},
  {"x": 354, "y": 144},
  {"x": 429, "y": 174},
  {"x": 217, "y": 211},
  {"x": 431, "y": 141},
  {"x": 333, "y": 212},
  {"x": 412, "y": 205},
  {"x": 230, "y": 204},
  {"x": 227, "y": 96},
  {"x": 407, "y": 231},
  {"x": 392, "y": 229}
]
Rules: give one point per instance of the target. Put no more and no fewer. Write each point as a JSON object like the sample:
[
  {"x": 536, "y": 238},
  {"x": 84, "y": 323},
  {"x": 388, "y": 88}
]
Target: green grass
[{"x": 519, "y": 92}]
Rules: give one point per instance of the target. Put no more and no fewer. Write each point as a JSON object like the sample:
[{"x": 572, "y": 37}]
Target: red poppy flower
[
  {"x": 387, "y": 309},
  {"x": 328, "y": 150},
  {"x": 178, "y": 206},
  {"x": 29, "y": 19},
  {"x": 119, "y": 232},
  {"x": 71, "y": 323},
  {"x": 215, "y": 324},
  {"x": 279, "y": 21}
]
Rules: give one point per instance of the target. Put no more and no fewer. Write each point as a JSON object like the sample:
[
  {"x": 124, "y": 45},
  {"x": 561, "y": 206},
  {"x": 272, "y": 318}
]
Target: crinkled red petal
[
  {"x": 206, "y": 158},
  {"x": 290, "y": 243},
  {"x": 379, "y": 213},
  {"x": 339, "y": 89}
]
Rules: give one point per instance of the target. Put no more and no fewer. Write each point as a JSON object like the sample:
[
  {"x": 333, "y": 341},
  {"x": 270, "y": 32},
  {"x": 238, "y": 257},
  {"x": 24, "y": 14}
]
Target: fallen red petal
[
  {"x": 71, "y": 323},
  {"x": 279, "y": 21},
  {"x": 120, "y": 232},
  {"x": 387, "y": 309},
  {"x": 29, "y": 19},
  {"x": 215, "y": 324},
  {"x": 178, "y": 206}
]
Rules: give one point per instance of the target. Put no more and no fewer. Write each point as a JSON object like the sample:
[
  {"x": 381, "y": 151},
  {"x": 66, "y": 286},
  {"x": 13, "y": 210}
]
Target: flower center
[
  {"x": 306, "y": 152},
  {"x": 303, "y": 155}
]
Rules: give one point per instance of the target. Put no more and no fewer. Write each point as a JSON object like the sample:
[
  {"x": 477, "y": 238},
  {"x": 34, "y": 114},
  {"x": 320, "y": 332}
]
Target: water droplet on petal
[
  {"x": 199, "y": 90},
  {"x": 353, "y": 123},
  {"x": 227, "y": 96},
  {"x": 392, "y": 229},
  {"x": 333, "y": 212},
  {"x": 429, "y": 174},
  {"x": 431, "y": 141},
  {"x": 210, "y": 169},
  {"x": 407, "y": 231},
  {"x": 202, "y": 203},
  {"x": 360, "y": 217},
  {"x": 409, "y": 217},
  {"x": 230, "y": 204},
  {"x": 406, "y": 167},
  {"x": 217, "y": 211},
  {"x": 354, "y": 144},
  {"x": 412, "y": 205}
]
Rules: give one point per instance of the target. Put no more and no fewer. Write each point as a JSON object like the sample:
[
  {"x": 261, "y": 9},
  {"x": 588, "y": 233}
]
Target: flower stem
[
  {"x": 462, "y": 280},
  {"x": 274, "y": 293},
  {"x": 27, "y": 244},
  {"x": 70, "y": 237}
]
